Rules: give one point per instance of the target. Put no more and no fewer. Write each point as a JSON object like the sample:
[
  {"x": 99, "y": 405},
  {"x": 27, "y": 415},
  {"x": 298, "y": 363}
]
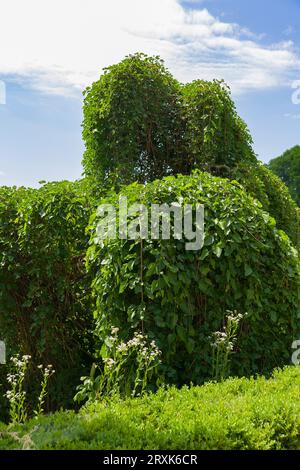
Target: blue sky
[{"x": 50, "y": 52}]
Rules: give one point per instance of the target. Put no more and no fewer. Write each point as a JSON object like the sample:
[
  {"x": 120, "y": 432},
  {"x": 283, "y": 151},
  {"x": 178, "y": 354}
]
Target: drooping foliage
[
  {"x": 216, "y": 138},
  {"x": 179, "y": 297},
  {"x": 287, "y": 167},
  {"x": 44, "y": 290},
  {"x": 131, "y": 123},
  {"x": 141, "y": 124}
]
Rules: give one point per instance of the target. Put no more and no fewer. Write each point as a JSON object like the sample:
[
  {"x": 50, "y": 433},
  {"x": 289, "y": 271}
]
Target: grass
[{"x": 236, "y": 414}]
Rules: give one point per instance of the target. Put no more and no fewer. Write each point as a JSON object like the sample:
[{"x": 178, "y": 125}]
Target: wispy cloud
[
  {"x": 289, "y": 30},
  {"x": 292, "y": 116},
  {"x": 60, "y": 47}
]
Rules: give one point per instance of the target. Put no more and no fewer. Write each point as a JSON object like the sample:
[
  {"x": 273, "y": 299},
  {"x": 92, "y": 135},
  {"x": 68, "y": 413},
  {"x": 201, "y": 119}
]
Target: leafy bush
[
  {"x": 287, "y": 167},
  {"x": 238, "y": 414},
  {"x": 273, "y": 194},
  {"x": 44, "y": 289},
  {"x": 179, "y": 298}
]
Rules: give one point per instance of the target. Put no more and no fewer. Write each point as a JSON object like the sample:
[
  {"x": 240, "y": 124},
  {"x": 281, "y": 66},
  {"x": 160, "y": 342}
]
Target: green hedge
[
  {"x": 238, "y": 414},
  {"x": 44, "y": 290},
  {"x": 179, "y": 298}
]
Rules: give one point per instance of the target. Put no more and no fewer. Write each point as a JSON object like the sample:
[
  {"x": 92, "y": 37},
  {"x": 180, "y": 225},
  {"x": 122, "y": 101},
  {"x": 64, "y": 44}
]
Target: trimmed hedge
[
  {"x": 44, "y": 289},
  {"x": 179, "y": 298},
  {"x": 238, "y": 414}
]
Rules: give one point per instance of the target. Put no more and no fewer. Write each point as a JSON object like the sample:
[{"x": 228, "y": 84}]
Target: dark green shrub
[
  {"x": 287, "y": 167},
  {"x": 238, "y": 414},
  {"x": 44, "y": 290},
  {"x": 179, "y": 298}
]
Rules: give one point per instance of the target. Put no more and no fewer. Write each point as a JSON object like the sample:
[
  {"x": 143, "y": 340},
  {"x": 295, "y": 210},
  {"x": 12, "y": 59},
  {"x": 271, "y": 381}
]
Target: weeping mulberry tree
[
  {"x": 140, "y": 124},
  {"x": 132, "y": 122}
]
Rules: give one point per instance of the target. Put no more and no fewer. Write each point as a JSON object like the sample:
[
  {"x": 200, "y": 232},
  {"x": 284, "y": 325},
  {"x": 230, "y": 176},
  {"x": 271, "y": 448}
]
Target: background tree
[{"x": 287, "y": 167}]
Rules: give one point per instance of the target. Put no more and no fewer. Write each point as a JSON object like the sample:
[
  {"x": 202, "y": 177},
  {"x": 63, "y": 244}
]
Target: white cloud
[{"x": 61, "y": 46}]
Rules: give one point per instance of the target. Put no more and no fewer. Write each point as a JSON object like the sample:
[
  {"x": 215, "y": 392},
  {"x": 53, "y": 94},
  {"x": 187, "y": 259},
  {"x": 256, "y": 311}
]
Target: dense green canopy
[{"x": 141, "y": 124}]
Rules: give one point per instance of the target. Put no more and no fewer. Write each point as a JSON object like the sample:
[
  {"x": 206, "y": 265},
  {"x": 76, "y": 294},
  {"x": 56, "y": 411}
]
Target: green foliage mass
[
  {"x": 216, "y": 138},
  {"x": 273, "y": 194},
  {"x": 287, "y": 167},
  {"x": 131, "y": 122},
  {"x": 44, "y": 289},
  {"x": 238, "y": 414},
  {"x": 179, "y": 297},
  {"x": 141, "y": 124}
]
